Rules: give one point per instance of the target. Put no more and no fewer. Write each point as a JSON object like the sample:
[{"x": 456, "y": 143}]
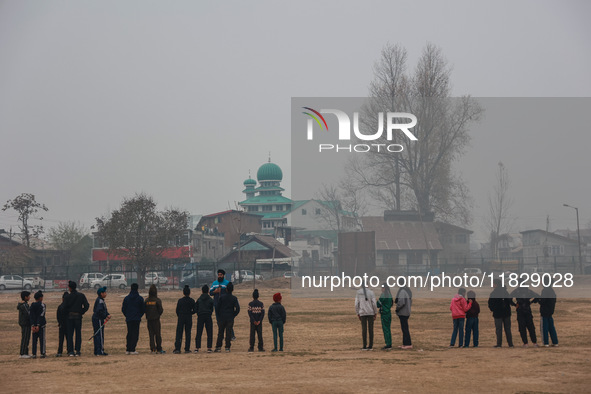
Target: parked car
[
  {"x": 111, "y": 280},
  {"x": 156, "y": 278},
  {"x": 290, "y": 274},
  {"x": 472, "y": 271},
  {"x": 15, "y": 282},
  {"x": 38, "y": 282},
  {"x": 195, "y": 281},
  {"x": 87, "y": 278},
  {"x": 245, "y": 275}
]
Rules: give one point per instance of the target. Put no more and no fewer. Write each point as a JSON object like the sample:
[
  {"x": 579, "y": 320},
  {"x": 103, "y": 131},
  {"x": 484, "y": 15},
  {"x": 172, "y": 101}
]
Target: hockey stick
[{"x": 97, "y": 331}]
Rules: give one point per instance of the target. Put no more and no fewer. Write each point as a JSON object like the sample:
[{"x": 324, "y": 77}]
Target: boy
[
  {"x": 547, "y": 305},
  {"x": 277, "y": 317},
  {"x": 499, "y": 304},
  {"x": 525, "y": 318},
  {"x": 100, "y": 317},
  {"x": 62, "y": 323},
  {"x": 458, "y": 308},
  {"x": 24, "y": 320},
  {"x": 472, "y": 320},
  {"x": 184, "y": 310},
  {"x": 76, "y": 306},
  {"x": 153, "y": 312},
  {"x": 256, "y": 312},
  {"x": 38, "y": 323},
  {"x": 228, "y": 309},
  {"x": 133, "y": 309},
  {"x": 204, "y": 310}
]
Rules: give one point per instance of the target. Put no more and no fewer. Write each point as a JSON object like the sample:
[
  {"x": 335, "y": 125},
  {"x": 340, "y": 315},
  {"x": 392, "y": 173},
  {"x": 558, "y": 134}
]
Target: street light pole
[{"x": 578, "y": 236}]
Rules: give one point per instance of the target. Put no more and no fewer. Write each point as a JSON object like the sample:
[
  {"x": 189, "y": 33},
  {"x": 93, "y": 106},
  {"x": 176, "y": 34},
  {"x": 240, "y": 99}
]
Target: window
[
  {"x": 461, "y": 238},
  {"x": 391, "y": 258},
  {"x": 267, "y": 208},
  {"x": 279, "y": 207},
  {"x": 317, "y": 211},
  {"x": 304, "y": 212},
  {"x": 414, "y": 258}
]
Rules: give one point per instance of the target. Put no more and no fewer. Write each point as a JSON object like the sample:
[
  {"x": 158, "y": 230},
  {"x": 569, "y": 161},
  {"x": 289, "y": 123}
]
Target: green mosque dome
[
  {"x": 249, "y": 182},
  {"x": 269, "y": 172}
]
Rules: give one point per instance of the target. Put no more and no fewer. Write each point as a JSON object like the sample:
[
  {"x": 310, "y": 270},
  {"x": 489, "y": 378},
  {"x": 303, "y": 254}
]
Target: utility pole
[{"x": 578, "y": 237}]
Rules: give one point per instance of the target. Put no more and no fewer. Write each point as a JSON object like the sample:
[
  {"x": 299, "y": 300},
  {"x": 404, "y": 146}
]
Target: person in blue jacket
[
  {"x": 133, "y": 309},
  {"x": 100, "y": 317}
]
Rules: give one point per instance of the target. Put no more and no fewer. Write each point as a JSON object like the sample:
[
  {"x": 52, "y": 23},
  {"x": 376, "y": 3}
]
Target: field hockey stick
[{"x": 97, "y": 331}]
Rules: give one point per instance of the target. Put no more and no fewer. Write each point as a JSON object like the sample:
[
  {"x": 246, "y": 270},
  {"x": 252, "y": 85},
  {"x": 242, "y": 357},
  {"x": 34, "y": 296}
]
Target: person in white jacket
[{"x": 367, "y": 310}]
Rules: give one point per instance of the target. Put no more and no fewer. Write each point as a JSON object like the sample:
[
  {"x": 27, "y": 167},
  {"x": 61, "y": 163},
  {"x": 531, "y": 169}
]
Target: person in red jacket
[
  {"x": 458, "y": 307},
  {"x": 472, "y": 320}
]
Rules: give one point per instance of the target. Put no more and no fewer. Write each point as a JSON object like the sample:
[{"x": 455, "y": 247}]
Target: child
[
  {"x": 277, "y": 318},
  {"x": 547, "y": 305},
  {"x": 184, "y": 310},
  {"x": 62, "y": 323},
  {"x": 100, "y": 317},
  {"x": 385, "y": 306},
  {"x": 472, "y": 320},
  {"x": 153, "y": 312},
  {"x": 458, "y": 308},
  {"x": 525, "y": 318},
  {"x": 204, "y": 310},
  {"x": 24, "y": 320},
  {"x": 366, "y": 310},
  {"x": 228, "y": 309},
  {"x": 38, "y": 323},
  {"x": 256, "y": 312}
]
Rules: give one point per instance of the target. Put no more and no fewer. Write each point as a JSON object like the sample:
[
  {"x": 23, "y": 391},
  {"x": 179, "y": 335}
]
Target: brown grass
[{"x": 323, "y": 338}]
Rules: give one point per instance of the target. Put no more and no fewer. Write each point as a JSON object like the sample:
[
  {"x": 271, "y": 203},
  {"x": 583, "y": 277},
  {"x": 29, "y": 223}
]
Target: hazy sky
[{"x": 102, "y": 99}]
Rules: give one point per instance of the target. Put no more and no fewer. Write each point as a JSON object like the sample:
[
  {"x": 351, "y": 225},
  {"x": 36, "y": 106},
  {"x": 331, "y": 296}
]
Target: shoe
[
  {"x": 546, "y": 345},
  {"x": 217, "y": 350},
  {"x": 58, "y": 355},
  {"x": 133, "y": 353},
  {"x": 387, "y": 348},
  {"x": 78, "y": 354},
  {"x": 187, "y": 352},
  {"x": 128, "y": 353},
  {"x": 497, "y": 346},
  {"x": 364, "y": 348},
  {"x": 370, "y": 349},
  {"x": 104, "y": 354},
  {"x": 42, "y": 356},
  {"x": 227, "y": 350},
  {"x": 406, "y": 347},
  {"x": 261, "y": 350},
  {"x": 525, "y": 345},
  {"x": 160, "y": 351},
  {"x": 536, "y": 345},
  {"x": 196, "y": 351},
  {"x": 511, "y": 347},
  {"x": 554, "y": 345},
  {"x": 71, "y": 355},
  {"x": 282, "y": 350},
  {"x": 274, "y": 350},
  {"x": 34, "y": 356},
  {"x": 233, "y": 338},
  {"x": 25, "y": 356},
  {"x": 209, "y": 350},
  {"x": 464, "y": 347},
  {"x": 176, "y": 352},
  {"x": 250, "y": 350}
]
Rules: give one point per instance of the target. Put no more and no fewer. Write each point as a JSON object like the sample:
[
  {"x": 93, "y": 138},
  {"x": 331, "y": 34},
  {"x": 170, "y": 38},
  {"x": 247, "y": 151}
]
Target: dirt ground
[{"x": 322, "y": 353}]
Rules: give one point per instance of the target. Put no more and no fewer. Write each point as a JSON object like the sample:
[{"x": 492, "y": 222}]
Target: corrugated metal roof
[{"x": 399, "y": 235}]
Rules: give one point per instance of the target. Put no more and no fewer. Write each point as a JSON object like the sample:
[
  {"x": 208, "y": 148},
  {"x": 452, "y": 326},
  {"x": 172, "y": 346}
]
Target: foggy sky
[{"x": 99, "y": 100}]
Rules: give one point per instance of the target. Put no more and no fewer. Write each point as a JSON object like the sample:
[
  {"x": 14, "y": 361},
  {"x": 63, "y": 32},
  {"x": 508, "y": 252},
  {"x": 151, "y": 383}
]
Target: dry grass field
[{"x": 323, "y": 340}]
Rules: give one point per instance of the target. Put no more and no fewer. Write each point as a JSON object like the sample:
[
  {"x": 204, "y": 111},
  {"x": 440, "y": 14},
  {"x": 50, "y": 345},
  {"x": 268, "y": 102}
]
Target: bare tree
[
  {"x": 27, "y": 208},
  {"x": 66, "y": 236},
  {"x": 499, "y": 203},
  {"x": 140, "y": 233},
  {"x": 341, "y": 205},
  {"x": 421, "y": 176}
]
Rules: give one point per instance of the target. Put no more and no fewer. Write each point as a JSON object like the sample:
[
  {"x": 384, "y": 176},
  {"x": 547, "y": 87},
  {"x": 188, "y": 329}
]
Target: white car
[
  {"x": 156, "y": 278},
  {"x": 111, "y": 280},
  {"x": 15, "y": 282},
  {"x": 87, "y": 278},
  {"x": 38, "y": 282},
  {"x": 245, "y": 275}
]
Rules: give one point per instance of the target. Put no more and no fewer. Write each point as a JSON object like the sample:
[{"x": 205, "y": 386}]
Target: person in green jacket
[{"x": 385, "y": 305}]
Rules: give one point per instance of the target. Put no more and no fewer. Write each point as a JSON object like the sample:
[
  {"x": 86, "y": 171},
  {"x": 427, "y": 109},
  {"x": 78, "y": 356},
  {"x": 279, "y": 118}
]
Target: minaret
[{"x": 249, "y": 185}]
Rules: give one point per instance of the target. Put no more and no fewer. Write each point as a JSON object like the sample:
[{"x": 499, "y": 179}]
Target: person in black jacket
[
  {"x": 525, "y": 319},
  {"x": 256, "y": 312},
  {"x": 133, "y": 309},
  {"x": 153, "y": 312},
  {"x": 472, "y": 320},
  {"x": 38, "y": 323},
  {"x": 277, "y": 318},
  {"x": 76, "y": 306},
  {"x": 547, "y": 303},
  {"x": 185, "y": 308},
  {"x": 100, "y": 317},
  {"x": 62, "y": 323},
  {"x": 24, "y": 321},
  {"x": 204, "y": 310},
  {"x": 499, "y": 304},
  {"x": 228, "y": 309}
]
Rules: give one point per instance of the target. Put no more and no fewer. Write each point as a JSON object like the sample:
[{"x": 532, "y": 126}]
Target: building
[
  {"x": 549, "y": 251},
  {"x": 405, "y": 242},
  {"x": 230, "y": 224},
  {"x": 455, "y": 242}
]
